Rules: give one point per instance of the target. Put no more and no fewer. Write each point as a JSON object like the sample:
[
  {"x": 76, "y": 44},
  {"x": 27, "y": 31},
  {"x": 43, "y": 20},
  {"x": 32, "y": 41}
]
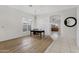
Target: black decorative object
[{"x": 68, "y": 20}]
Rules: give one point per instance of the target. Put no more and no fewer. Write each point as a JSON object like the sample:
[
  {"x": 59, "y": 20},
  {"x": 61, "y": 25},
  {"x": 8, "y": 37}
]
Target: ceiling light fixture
[{"x": 35, "y": 14}]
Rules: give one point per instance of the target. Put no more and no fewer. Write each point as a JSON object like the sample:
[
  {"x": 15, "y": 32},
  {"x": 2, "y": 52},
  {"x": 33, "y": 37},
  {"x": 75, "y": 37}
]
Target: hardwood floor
[{"x": 26, "y": 45}]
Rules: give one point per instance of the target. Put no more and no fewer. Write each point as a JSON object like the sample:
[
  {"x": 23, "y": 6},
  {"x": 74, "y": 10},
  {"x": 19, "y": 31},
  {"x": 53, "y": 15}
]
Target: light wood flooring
[{"x": 26, "y": 45}]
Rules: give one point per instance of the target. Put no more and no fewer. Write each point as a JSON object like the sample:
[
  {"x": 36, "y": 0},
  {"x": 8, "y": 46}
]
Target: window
[{"x": 26, "y": 24}]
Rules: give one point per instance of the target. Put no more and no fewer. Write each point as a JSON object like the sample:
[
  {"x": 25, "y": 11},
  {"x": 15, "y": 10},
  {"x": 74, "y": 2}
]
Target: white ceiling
[{"x": 41, "y": 9}]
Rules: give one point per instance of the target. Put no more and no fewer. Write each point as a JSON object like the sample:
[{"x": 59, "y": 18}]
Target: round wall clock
[{"x": 70, "y": 21}]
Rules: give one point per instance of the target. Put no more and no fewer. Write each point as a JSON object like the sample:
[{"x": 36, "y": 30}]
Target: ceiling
[{"x": 41, "y": 9}]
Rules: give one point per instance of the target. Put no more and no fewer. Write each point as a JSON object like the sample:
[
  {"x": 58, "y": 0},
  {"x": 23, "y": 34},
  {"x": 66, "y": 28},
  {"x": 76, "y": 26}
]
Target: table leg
[
  {"x": 43, "y": 34},
  {"x": 40, "y": 35}
]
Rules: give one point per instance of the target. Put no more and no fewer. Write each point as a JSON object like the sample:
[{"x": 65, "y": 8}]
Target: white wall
[
  {"x": 78, "y": 26},
  {"x": 43, "y": 21},
  {"x": 69, "y": 32},
  {"x": 11, "y": 23}
]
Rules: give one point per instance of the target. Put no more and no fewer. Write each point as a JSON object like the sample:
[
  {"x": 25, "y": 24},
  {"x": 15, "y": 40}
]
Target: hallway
[{"x": 63, "y": 45}]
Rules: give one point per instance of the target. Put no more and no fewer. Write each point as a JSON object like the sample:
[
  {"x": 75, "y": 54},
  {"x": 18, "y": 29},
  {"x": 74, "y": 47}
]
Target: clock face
[{"x": 70, "y": 21}]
